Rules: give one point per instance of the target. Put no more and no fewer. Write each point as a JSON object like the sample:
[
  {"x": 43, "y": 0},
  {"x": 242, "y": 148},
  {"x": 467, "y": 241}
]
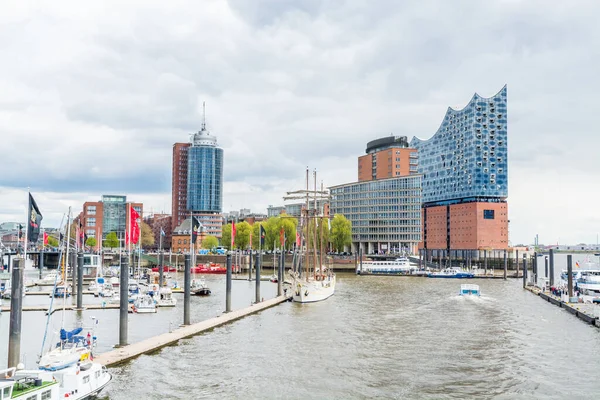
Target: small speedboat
[
  {"x": 273, "y": 278},
  {"x": 165, "y": 298},
  {"x": 61, "y": 291},
  {"x": 453, "y": 272},
  {"x": 199, "y": 288},
  {"x": 469, "y": 289},
  {"x": 144, "y": 304}
]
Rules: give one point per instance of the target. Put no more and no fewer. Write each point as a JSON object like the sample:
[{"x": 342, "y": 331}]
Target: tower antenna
[{"x": 203, "y": 115}]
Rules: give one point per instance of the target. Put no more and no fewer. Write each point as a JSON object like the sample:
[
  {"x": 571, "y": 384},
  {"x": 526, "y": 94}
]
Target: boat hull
[
  {"x": 457, "y": 276},
  {"x": 202, "y": 292},
  {"x": 314, "y": 291}
]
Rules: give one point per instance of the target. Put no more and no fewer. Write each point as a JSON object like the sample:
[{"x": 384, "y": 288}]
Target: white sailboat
[{"x": 319, "y": 285}]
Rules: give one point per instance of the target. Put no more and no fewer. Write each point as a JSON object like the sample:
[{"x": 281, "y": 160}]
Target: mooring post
[
  {"x": 257, "y": 278},
  {"x": 41, "y": 262},
  {"x": 535, "y": 268},
  {"x": 360, "y": 257},
  {"x": 517, "y": 263},
  {"x": 547, "y": 276},
  {"x": 73, "y": 265},
  {"x": 8, "y": 264},
  {"x": 356, "y": 261},
  {"x": 161, "y": 267},
  {"x": 124, "y": 300},
  {"x": 505, "y": 265},
  {"x": 280, "y": 274},
  {"x": 186, "y": 289},
  {"x": 80, "y": 280},
  {"x": 570, "y": 275},
  {"x": 551, "y": 267},
  {"x": 524, "y": 271},
  {"x": 250, "y": 266},
  {"x": 485, "y": 260},
  {"x": 228, "y": 285},
  {"x": 16, "y": 304}
]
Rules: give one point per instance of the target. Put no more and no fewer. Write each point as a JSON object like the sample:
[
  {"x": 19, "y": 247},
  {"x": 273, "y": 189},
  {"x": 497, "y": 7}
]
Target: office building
[
  {"x": 99, "y": 218},
  {"x": 464, "y": 166},
  {"x": 198, "y": 180},
  {"x": 385, "y": 213},
  {"x": 273, "y": 211},
  {"x": 386, "y": 158}
]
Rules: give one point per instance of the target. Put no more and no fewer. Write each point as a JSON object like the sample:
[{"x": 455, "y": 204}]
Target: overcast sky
[{"x": 94, "y": 94}]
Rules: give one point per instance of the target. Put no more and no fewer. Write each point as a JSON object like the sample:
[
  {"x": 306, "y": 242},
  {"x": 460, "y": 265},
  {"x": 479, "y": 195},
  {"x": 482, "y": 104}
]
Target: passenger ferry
[
  {"x": 399, "y": 266},
  {"x": 453, "y": 272}
]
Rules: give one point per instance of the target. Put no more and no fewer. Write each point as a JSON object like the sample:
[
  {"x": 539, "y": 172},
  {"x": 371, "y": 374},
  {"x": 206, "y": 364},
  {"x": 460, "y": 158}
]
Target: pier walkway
[
  {"x": 126, "y": 353},
  {"x": 584, "y": 312},
  {"x": 67, "y": 307}
]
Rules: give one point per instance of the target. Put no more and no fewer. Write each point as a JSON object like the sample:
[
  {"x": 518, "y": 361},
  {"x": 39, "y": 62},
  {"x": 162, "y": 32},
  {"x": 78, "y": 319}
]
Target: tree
[
  {"x": 52, "y": 241},
  {"x": 226, "y": 236},
  {"x": 341, "y": 232},
  {"x": 256, "y": 235},
  {"x": 111, "y": 240},
  {"x": 242, "y": 235},
  {"x": 210, "y": 242},
  {"x": 91, "y": 242},
  {"x": 147, "y": 235},
  {"x": 322, "y": 228},
  {"x": 273, "y": 228}
]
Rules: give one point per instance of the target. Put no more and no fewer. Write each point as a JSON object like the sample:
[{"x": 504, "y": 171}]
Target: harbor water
[{"x": 382, "y": 337}]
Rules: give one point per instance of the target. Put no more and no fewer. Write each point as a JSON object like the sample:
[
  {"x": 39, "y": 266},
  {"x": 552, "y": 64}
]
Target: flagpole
[{"x": 192, "y": 238}]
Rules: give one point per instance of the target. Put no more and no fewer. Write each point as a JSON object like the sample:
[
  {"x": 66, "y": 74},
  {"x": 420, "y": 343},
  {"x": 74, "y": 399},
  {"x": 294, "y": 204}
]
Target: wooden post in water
[
  {"x": 570, "y": 275},
  {"x": 257, "y": 279},
  {"x": 524, "y": 271},
  {"x": 41, "y": 262},
  {"x": 228, "y": 285},
  {"x": 360, "y": 256},
  {"x": 505, "y": 264},
  {"x": 280, "y": 273},
  {"x": 547, "y": 276},
  {"x": 16, "y": 305},
  {"x": 551, "y": 267},
  {"x": 535, "y": 268},
  {"x": 517, "y": 263},
  {"x": 80, "y": 280},
  {"x": 124, "y": 300},
  {"x": 187, "y": 261},
  {"x": 250, "y": 266},
  {"x": 485, "y": 260}
]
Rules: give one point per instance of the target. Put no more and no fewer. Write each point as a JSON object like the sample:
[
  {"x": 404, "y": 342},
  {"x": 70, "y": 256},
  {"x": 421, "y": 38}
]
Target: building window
[
  {"x": 90, "y": 222},
  {"x": 184, "y": 241},
  {"x": 488, "y": 214},
  {"x": 179, "y": 241},
  {"x": 90, "y": 210}
]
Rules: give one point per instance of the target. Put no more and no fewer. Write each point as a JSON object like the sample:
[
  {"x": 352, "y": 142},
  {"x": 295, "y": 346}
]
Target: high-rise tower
[{"x": 198, "y": 181}]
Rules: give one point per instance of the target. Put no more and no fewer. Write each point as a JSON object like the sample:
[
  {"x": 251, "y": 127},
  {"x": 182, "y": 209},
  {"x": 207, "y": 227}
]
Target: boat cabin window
[
  {"x": 6, "y": 393},
  {"x": 86, "y": 379},
  {"x": 34, "y": 397},
  {"x": 47, "y": 395}
]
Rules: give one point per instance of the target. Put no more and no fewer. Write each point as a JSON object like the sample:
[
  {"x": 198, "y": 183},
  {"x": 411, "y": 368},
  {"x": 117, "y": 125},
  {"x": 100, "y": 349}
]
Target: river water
[{"x": 381, "y": 337}]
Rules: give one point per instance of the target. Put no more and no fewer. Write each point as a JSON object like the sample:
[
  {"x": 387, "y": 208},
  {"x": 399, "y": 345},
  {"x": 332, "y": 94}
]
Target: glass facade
[
  {"x": 466, "y": 159},
  {"x": 205, "y": 179},
  {"x": 114, "y": 215},
  {"x": 382, "y": 211}
]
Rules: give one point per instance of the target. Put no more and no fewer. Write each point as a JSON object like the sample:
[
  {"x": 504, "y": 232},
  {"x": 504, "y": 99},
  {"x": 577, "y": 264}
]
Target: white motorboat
[
  {"x": 107, "y": 290},
  {"x": 398, "y": 266},
  {"x": 165, "y": 298},
  {"x": 199, "y": 288},
  {"x": 588, "y": 281},
  {"x": 469, "y": 289},
  {"x": 144, "y": 305},
  {"x": 14, "y": 385},
  {"x": 453, "y": 272},
  {"x": 49, "y": 279}
]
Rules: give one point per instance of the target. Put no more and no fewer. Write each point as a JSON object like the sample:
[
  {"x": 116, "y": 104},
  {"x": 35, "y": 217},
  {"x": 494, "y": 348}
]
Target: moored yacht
[
  {"x": 453, "y": 272},
  {"x": 399, "y": 266}
]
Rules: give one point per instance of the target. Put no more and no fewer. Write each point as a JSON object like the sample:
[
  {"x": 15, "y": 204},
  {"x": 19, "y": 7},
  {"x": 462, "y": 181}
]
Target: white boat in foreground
[
  {"x": 317, "y": 288},
  {"x": 69, "y": 351},
  {"x": 469, "y": 289},
  {"x": 165, "y": 298}
]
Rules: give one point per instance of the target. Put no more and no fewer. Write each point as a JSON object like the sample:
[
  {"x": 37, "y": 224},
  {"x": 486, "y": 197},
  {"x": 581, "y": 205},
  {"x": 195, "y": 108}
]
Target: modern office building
[
  {"x": 273, "y": 211},
  {"x": 385, "y": 213},
  {"x": 198, "y": 180},
  {"x": 464, "y": 166},
  {"x": 386, "y": 158},
  {"x": 99, "y": 218}
]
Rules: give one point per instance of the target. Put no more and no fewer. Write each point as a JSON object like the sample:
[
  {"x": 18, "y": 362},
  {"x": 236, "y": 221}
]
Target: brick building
[{"x": 156, "y": 223}]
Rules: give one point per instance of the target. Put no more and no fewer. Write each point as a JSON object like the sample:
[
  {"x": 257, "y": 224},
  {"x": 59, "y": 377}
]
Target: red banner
[
  {"x": 298, "y": 240},
  {"x": 282, "y": 237},
  {"x": 45, "y": 239},
  {"x": 133, "y": 236},
  {"x": 232, "y": 235}
]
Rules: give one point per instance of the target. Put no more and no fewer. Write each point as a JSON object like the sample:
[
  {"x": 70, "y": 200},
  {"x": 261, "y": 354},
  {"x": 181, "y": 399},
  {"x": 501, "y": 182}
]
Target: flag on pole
[
  {"x": 133, "y": 236},
  {"x": 20, "y": 231},
  {"x": 195, "y": 229},
  {"x": 298, "y": 239},
  {"x": 35, "y": 219},
  {"x": 250, "y": 239},
  {"x": 85, "y": 238},
  {"x": 162, "y": 232},
  {"x": 45, "y": 239},
  {"x": 263, "y": 234},
  {"x": 232, "y": 234},
  {"x": 282, "y": 237}
]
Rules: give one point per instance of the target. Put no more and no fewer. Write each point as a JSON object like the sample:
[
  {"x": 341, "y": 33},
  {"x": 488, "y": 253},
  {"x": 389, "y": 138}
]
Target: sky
[{"x": 94, "y": 94}]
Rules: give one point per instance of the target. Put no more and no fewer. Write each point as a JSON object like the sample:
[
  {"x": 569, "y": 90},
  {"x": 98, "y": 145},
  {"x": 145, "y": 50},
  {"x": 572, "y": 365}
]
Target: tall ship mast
[{"x": 314, "y": 284}]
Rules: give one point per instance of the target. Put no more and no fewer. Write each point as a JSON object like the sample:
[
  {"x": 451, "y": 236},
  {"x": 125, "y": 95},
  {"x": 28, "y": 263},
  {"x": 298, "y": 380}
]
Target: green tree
[
  {"x": 52, "y": 241},
  {"x": 210, "y": 242},
  {"x": 111, "y": 240},
  {"x": 226, "y": 236},
  {"x": 273, "y": 228},
  {"x": 146, "y": 234},
  {"x": 341, "y": 232},
  {"x": 322, "y": 227},
  {"x": 242, "y": 235},
  {"x": 91, "y": 242},
  {"x": 256, "y": 235}
]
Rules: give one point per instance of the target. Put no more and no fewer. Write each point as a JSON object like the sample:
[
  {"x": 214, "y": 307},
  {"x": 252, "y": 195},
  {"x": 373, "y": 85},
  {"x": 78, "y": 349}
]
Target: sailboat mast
[
  {"x": 306, "y": 236},
  {"x": 62, "y": 320},
  {"x": 315, "y": 227}
]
